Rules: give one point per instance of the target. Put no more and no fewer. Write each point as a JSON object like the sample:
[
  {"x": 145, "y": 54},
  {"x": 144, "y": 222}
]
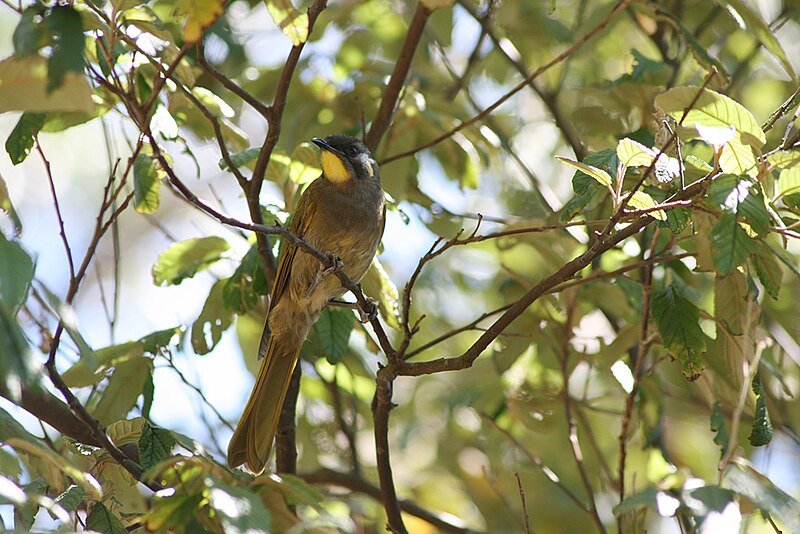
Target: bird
[{"x": 341, "y": 213}]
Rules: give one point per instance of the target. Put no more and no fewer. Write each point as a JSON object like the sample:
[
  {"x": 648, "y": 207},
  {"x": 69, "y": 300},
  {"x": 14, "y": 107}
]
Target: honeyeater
[{"x": 341, "y": 213}]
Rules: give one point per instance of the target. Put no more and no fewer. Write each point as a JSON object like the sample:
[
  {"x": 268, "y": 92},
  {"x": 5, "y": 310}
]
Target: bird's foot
[
  {"x": 335, "y": 266},
  {"x": 368, "y": 312}
]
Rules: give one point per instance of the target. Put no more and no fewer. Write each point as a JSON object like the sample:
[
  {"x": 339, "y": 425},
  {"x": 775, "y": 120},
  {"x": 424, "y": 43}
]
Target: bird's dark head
[{"x": 345, "y": 158}]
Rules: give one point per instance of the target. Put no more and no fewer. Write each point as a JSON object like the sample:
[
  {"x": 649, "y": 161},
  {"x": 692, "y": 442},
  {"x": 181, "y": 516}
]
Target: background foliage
[{"x": 603, "y": 337}]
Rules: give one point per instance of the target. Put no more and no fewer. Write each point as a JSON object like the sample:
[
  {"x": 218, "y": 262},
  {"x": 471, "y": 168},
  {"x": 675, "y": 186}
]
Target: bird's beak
[
  {"x": 333, "y": 162},
  {"x": 325, "y": 146}
]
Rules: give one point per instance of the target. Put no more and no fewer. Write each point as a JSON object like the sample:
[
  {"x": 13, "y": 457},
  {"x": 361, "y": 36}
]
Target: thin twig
[
  {"x": 61, "y": 230},
  {"x": 525, "y": 517}
]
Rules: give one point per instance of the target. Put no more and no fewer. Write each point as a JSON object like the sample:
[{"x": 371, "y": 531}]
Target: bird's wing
[{"x": 301, "y": 221}]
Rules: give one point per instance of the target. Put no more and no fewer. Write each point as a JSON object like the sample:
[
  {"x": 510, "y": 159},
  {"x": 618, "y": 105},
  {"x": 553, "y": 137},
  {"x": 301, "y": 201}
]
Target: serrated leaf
[
  {"x": 100, "y": 519},
  {"x": 677, "y": 218},
  {"x": 244, "y": 289},
  {"x": 736, "y": 313},
  {"x": 66, "y": 27},
  {"x": 600, "y": 175},
  {"x": 641, "y": 200},
  {"x": 678, "y": 324},
  {"x": 761, "y": 433},
  {"x": 146, "y": 184},
  {"x": 292, "y": 23},
  {"x": 71, "y": 498},
  {"x": 738, "y": 158},
  {"x": 199, "y": 15},
  {"x": 22, "y": 137},
  {"x": 731, "y": 244},
  {"x": 24, "y": 88},
  {"x": 710, "y": 109},
  {"x": 741, "y": 12},
  {"x": 721, "y": 437},
  {"x": 769, "y": 271},
  {"x": 214, "y": 319},
  {"x": 742, "y": 198},
  {"x": 745, "y": 480},
  {"x": 124, "y": 387},
  {"x": 332, "y": 332},
  {"x": 184, "y": 259},
  {"x": 155, "y": 444}
]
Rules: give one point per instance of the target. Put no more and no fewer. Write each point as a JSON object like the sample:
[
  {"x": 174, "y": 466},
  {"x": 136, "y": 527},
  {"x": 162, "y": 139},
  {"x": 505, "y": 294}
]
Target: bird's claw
[{"x": 368, "y": 312}]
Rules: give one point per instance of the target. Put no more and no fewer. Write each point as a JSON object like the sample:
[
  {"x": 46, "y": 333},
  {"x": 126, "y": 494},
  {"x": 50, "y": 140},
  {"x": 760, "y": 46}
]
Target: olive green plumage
[{"x": 342, "y": 213}]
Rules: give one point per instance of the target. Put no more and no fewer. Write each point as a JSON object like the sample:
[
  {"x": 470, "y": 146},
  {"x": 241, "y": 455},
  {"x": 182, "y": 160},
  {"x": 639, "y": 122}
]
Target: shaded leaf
[
  {"x": 124, "y": 387},
  {"x": 16, "y": 274},
  {"x": 641, "y": 200},
  {"x": 745, "y": 480},
  {"x": 769, "y": 271},
  {"x": 155, "y": 444},
  {"x": 66, "y": 27},
  {"x": 678, "y": 323},
  {"x": 214, "y": 319},
  {"x": 331, "y": 332},
  {"x": 100, "y": 519},
  {"x": 23, "y": 136},
  {"x": 8, "y": 208},
  {"x": 89, "y": 371},
  {"x": 761, "y": 433},
  {"x": 731, "y": 246},
  {"x": 71, "y": 498},
  {"x": 184, "y": 259},
  {"x": 30, "y": 35},
  {"x": 239, "y": 510},
  {"x": 743, "y": 198},
  {"x": 377, "y": 284},
  {"x": 721, "y": 437}
]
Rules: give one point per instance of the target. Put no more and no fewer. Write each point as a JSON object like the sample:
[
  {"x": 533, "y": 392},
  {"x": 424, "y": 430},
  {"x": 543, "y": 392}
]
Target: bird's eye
[{"x": 352, "y": 151}]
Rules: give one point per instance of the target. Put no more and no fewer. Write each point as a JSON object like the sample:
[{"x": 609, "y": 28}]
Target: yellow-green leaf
[
  {"x": 641, "y": 200},
  {"x": 598, "y": 174},
  {"x": 200, "y": 14},
  {"x": 23, "y": 87},
  {"x": 291, "y": 22},
  {"x": 710, "y": 109},
  {"x": 738, "y": 158},
  {"x": 634, "y": 154}
]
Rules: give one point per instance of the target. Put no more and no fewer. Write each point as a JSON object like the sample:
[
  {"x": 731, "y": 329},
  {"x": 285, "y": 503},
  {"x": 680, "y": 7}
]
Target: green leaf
[
  {"x": 743, "y": 198},
  {"x": 602, "y": 177},
  {"x": 761, "y": 433},
  {"x": 742, "y": 13},
  {"x": 242, "y": 158},
  {"x": 30, "y": 35},
  {"x": 745, "y": 480},
  {"x": 155, "y": 444},
  {"x": 124, "y": 387},
  {"x": 721, "y": 437},
  {"x": 214, "y": 319},
  {"x": 159, "y": 341},
  {"x": 239, "y": 510},
  {"x": 26, "y": 513},
  {"x": 20, "y": 142},
  {"x": 244, "y": 289},
  {"x": 184, "y": 259},
  {"x": 732, "y": 245},
  {"x": 292, "y": 23},
  {"x": 678, "y": 323},
  {"x": 17, "y": 362},
  {"x": 710, "y": 109},
  {"x": 146, "y": 184},
  {"x": 663, "y": 502},
  {"x": 677, "y": 218},
  {"x": 16, "y": 273},
  {"x": 71, "y": 498},
  {"x": 89, "y": 371},
  {"x": 100, "y": 519},
  {"x": 199, "y": 15},
  {"x": 66, "y": 26},
  {"x": 331, "y": 332},
  {"x": 769, "y": 270},
  {"x": 148, "y": 393},
  {"x": 24, "y": 88}
]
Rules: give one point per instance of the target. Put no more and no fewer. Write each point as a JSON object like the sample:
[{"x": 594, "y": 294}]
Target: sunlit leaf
[
  {"x": 633, "y": 154},
  {"x": 146, "y": 184},
  {"x": 710, "y": 109},
  {"x": 199, "y": 15},
  {"x": 641, "y": 200},
  {"x": 738, "y": 158},
  {"x": 184, "y": 259},
  {"x": 600, "y": 175},
  {"x": 24, "y": 88},
  {"x": 377, "y": 284},
  {"x": 678, "y": 323},
  {"x": 292, "y": 23},
  {"x": 89, "y": 371}
]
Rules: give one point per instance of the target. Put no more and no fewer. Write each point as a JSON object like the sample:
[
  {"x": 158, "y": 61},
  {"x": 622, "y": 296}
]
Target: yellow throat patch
[{"x": 334, "y": 168}]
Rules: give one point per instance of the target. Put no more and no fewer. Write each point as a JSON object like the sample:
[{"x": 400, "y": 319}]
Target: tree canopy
[{"x": 586, "y": 288}]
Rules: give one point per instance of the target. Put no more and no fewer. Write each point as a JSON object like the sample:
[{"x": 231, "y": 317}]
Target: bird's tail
[{"x": 252, "y": 440}]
